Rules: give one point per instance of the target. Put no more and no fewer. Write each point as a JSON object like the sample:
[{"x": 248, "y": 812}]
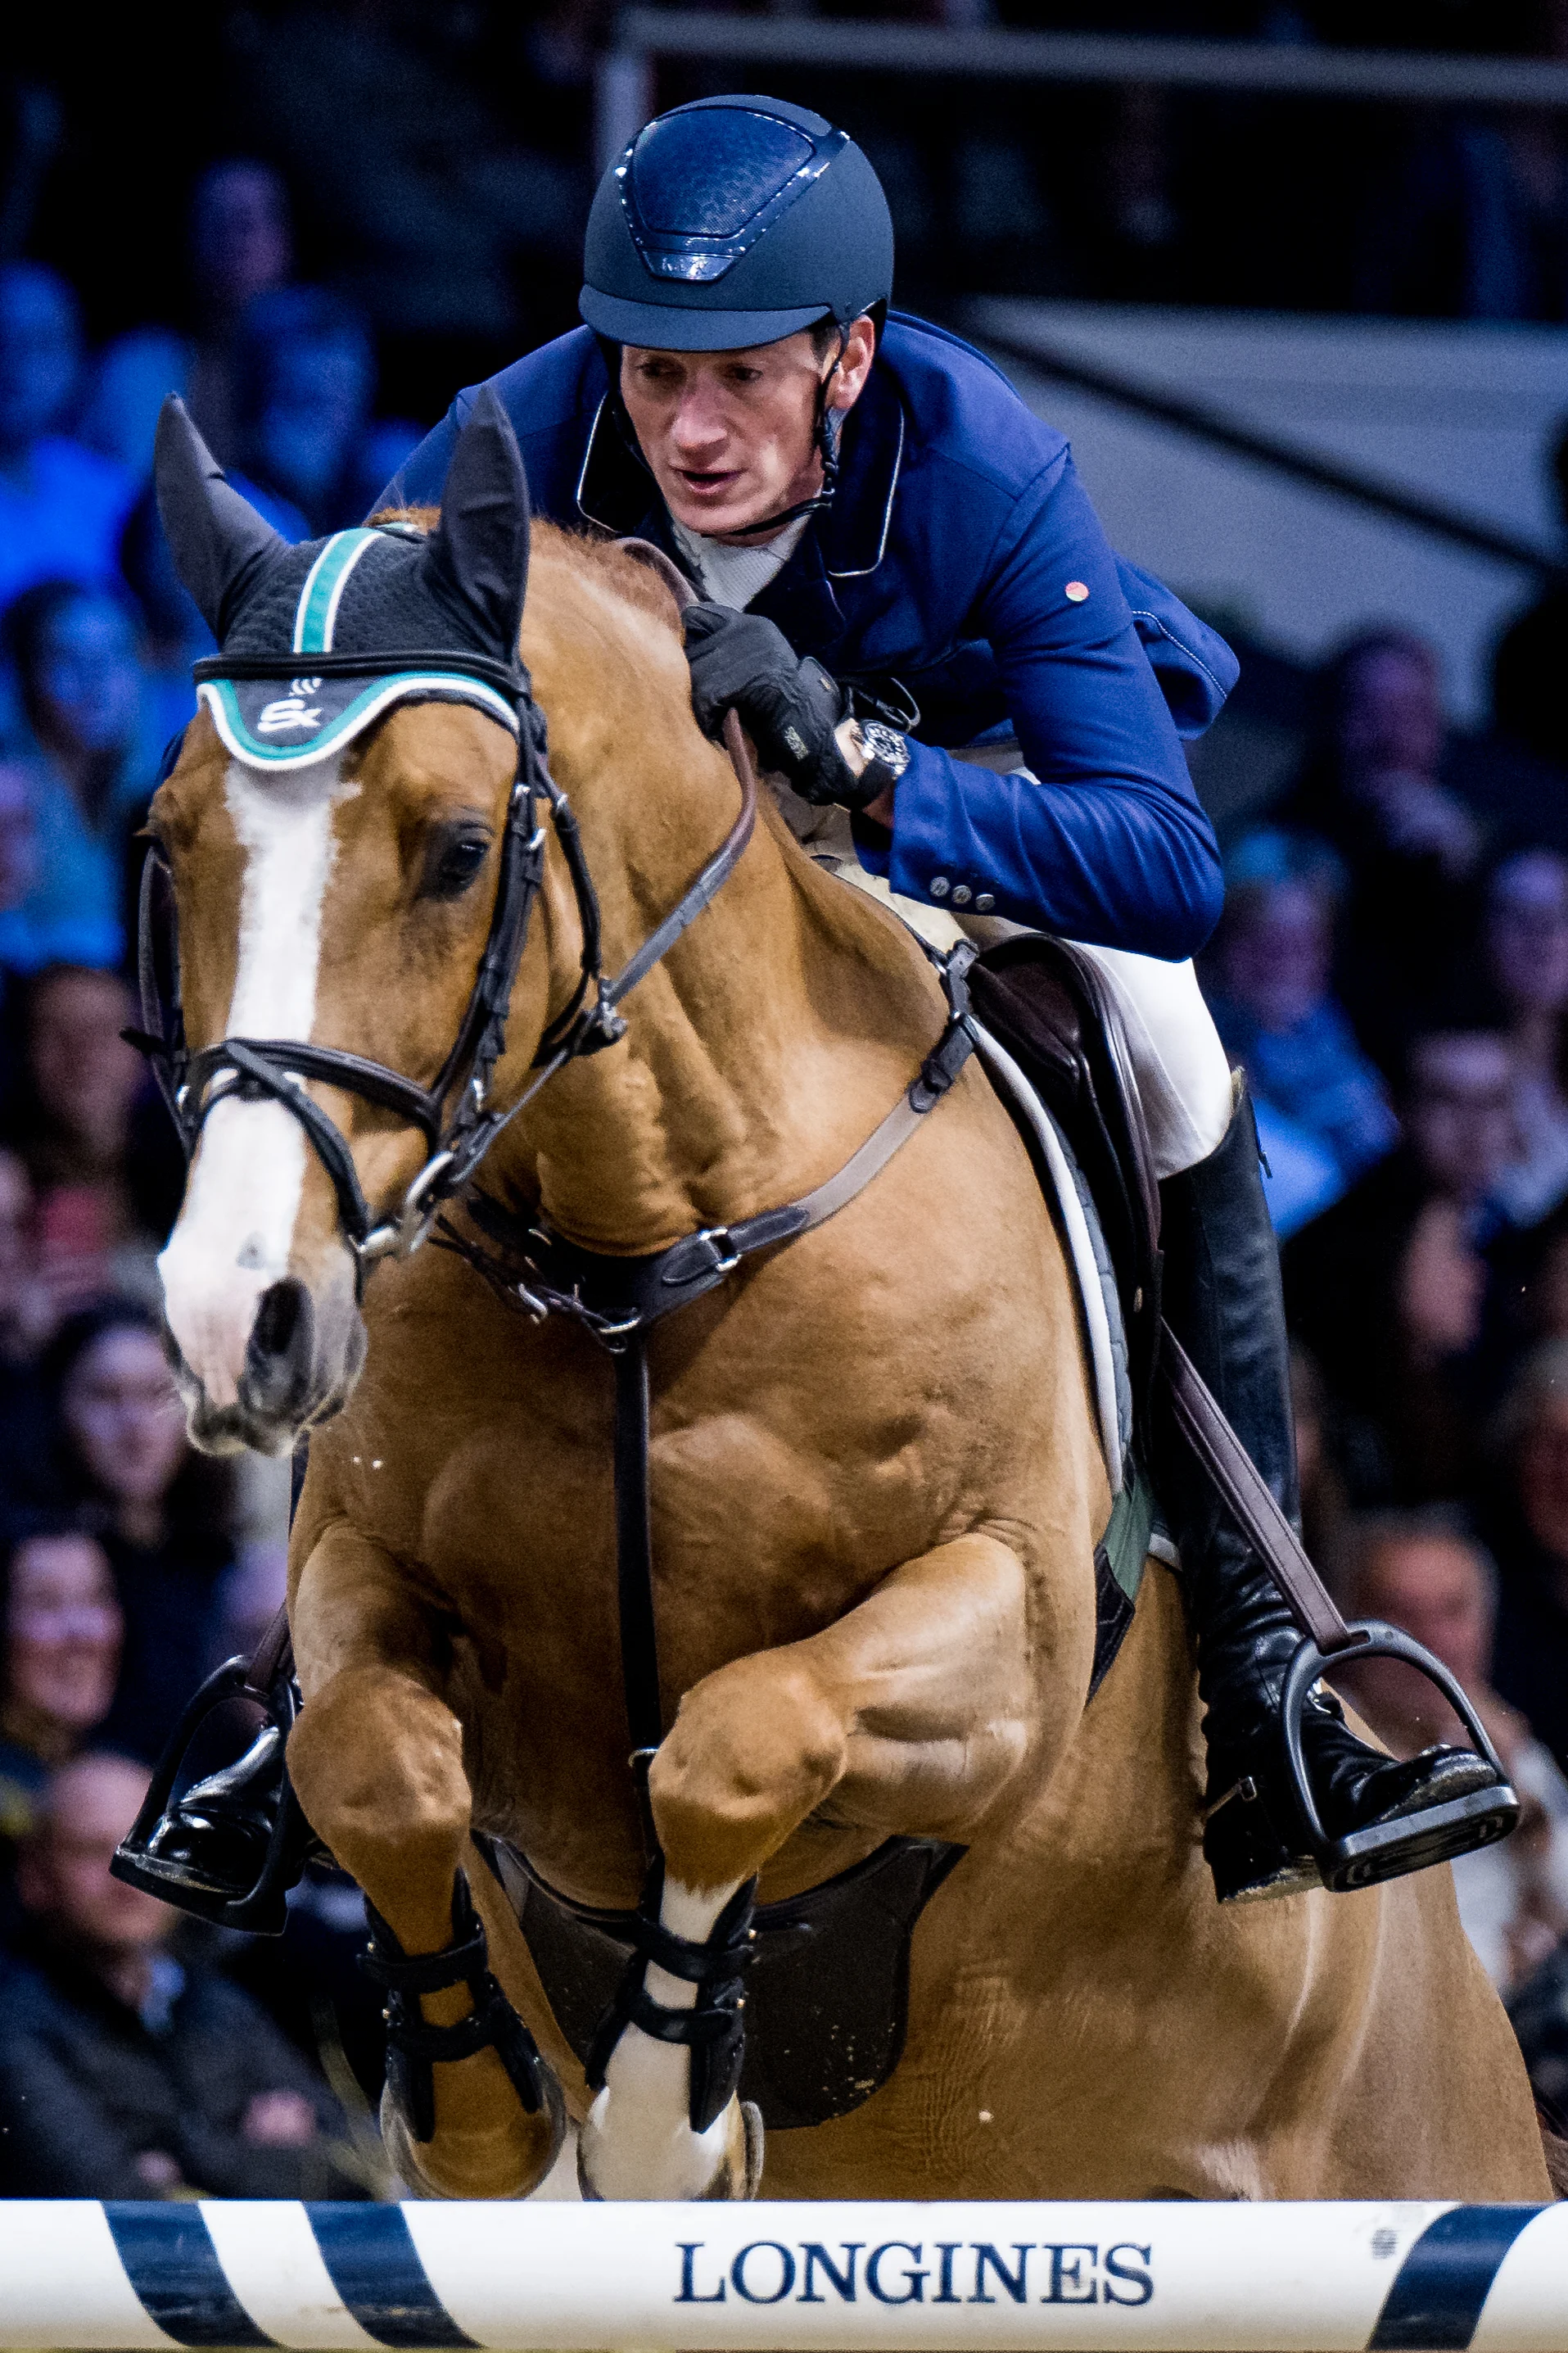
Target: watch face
[{"x": 885, "y": 744}]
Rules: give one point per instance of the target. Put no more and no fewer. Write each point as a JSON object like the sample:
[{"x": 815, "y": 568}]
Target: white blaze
[
  {"x": 638, "y": 2141},
  {"x": 237, "y": 1228}
]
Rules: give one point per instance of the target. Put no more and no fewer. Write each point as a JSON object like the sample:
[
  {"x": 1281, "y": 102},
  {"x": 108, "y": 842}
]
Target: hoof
[
  {"x": 677, "y": 2170},
  {"x": 507, "y": 2162}
]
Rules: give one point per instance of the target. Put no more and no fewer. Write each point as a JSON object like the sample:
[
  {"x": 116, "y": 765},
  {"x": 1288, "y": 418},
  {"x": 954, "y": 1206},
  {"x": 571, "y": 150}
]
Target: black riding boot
[
  {"x": 1221, "y": 1299},
  {"x": 231, "y": 1848},
  {"x": 215, "y": 1839}
]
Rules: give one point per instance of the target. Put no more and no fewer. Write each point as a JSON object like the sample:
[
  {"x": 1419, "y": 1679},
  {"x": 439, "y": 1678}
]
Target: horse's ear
[
  {"x": 478, "y": 553},
  {"x": 217, "y": 538}
]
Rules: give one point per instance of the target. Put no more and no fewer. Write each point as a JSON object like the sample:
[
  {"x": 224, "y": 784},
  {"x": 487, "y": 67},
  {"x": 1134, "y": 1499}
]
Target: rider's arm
[{"x": 1105, "y": 841}]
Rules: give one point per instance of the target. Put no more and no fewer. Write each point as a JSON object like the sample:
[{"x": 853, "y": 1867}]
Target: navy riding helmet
[{"x": 735, "y": 221}]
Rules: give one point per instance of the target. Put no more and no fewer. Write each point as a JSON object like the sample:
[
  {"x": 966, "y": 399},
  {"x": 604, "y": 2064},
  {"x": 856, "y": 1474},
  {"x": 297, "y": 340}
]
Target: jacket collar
[{"x": 615, "y": 490}]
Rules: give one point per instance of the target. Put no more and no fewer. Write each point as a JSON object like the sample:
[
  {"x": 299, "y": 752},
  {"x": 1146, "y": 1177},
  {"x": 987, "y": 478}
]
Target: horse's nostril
[{"x": 278, "y": 1318}]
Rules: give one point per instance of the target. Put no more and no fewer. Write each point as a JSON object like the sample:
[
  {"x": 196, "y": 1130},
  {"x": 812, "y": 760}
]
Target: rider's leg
[
  {"x": 213, "y": 1843},
  {"x": 1223, "y": 1300}
]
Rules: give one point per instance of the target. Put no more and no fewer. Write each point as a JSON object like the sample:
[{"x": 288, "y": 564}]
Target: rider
[{"x": 907, "y": 595}]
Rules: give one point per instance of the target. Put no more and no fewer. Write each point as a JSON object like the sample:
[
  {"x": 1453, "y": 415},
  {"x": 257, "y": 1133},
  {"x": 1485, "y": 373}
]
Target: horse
[{"x": 875, "y": 1479}]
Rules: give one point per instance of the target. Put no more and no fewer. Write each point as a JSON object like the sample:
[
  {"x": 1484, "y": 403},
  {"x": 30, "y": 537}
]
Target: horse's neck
[{"x": 758, "y": 1055}]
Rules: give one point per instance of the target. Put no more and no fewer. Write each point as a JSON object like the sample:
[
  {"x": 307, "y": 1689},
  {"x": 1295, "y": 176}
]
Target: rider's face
[{"x": 728, "y": 435}]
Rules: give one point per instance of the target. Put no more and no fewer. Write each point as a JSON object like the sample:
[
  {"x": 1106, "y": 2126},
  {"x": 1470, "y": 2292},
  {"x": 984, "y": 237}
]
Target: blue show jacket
[{"x": 962, "y": 562}]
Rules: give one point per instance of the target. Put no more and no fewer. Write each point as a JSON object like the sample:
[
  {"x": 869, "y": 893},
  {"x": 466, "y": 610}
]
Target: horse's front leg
[
  {"x": 912, "y": 1711},
  {"x": 471, "y": 2110}
]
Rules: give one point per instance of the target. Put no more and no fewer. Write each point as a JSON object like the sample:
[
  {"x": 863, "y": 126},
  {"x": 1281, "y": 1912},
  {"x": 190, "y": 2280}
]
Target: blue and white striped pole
[{"x": 901, "y": 2276}]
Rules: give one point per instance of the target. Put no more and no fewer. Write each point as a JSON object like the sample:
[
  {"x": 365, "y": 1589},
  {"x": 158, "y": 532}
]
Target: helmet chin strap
[{"x": 828, "y": 431}]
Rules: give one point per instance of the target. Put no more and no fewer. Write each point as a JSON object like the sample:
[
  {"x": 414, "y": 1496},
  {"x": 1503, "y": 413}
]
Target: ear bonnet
[{"x": 317, "y": 642}]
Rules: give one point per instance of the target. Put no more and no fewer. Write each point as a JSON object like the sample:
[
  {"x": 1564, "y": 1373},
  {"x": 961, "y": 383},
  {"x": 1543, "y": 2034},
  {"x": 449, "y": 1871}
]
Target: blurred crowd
[
  {"x": 1391, "y": 972},
  {"x": 139, "y": 2055},
  {"x": 441, "y": 156}
]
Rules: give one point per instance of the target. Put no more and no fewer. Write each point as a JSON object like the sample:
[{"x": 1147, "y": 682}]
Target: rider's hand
[{"x": 791, "y": 709}]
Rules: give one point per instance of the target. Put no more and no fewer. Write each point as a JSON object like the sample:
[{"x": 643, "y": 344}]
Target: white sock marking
[
  {"x": 236, "y": 1227},
  {"x": 638, "y": 2137}
]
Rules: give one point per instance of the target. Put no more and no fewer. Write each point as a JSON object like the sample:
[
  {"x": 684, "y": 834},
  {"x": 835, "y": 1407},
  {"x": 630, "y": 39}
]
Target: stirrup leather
[
  {"x": 1406, "y": 1841},
  {"x": 413, "y": 2047}
]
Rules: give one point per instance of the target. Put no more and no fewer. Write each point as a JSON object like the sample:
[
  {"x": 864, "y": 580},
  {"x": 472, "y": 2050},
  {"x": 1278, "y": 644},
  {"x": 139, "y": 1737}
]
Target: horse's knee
[
  {"x": 756, "y": 1746},
  {"x": 377, "y": 1762}
]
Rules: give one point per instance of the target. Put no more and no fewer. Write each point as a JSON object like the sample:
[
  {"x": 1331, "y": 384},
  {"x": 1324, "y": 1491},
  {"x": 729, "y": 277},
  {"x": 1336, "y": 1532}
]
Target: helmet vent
[
  {"x": 700, "y": 188},
  {"x": 707, "y": 175}
]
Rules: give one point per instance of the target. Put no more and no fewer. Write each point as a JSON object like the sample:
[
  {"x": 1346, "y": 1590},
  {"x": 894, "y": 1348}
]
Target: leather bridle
[{"x": 453, "y": 1112}]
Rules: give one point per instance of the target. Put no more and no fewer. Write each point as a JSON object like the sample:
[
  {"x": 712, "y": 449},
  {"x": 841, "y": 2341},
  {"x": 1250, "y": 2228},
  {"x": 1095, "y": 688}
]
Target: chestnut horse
[{"x": 877, "y": 1490}]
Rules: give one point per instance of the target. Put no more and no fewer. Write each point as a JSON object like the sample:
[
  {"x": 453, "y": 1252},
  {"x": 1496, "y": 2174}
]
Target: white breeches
[{"x": 1183, "y": 1076}]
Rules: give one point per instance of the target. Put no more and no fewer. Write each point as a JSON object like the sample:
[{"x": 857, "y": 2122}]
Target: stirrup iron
[
  {"x": 1403, "y": 1843},
  {"x": 147, "y": 1857}
]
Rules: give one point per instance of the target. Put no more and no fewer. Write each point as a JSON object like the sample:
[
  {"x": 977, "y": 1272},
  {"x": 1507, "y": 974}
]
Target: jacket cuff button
[
  {"x": 939, "y": 886},
  {"x": 961, "y": 894},
  {"x": 983, "y": 902}
]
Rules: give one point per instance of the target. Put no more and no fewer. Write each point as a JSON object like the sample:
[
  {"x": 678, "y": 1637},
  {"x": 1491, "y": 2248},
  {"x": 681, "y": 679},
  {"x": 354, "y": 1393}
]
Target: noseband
[{"x": 453, "y": 1112}]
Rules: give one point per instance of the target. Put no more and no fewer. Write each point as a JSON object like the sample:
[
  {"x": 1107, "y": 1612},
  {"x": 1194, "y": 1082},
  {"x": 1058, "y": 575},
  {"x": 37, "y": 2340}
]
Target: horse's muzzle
[{"x": 302, "y": 1361}]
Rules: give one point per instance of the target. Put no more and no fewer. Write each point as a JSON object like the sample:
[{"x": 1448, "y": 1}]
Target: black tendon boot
[{"x": 1221, "y": 1299}]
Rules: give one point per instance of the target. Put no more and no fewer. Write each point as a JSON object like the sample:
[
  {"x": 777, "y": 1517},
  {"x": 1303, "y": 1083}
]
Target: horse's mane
[{"x": 600, "y": 561}]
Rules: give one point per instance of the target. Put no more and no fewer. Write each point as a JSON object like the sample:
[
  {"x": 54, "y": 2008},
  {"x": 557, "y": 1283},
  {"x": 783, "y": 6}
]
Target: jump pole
[{"x": 890, "y": 2277}]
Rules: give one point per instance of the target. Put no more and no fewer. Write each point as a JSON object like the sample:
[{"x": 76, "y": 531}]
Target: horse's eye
[{"x": 456, "y": 866}]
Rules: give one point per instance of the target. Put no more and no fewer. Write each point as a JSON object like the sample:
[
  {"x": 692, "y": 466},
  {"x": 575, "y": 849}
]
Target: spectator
[
  {"x": 173, "y": 634},
  {"x": 61, "y": 505},
  {"x": 1423, "y": 1572},
  {"x": 1528, "y": 702},
  {"x": 1525, "y": 946},
  {"x": 1373, "y": 789},
  {"x": 1477, "y": 225},
  {"x": 1529, "y": 1288},
  {"x": 304, "y": 382},
  {"x": 96, "y": 750},
  {"x": 1387, "y": 1288},
  {"x": 1273, "y": 1007},
  {"x": 241, "y": 246},
  {"x": 19, "y": 871},
  {"x": 28, "y": 1311},
  {"x": 123, "y": 2072},
  {"x": 1322, "y": 1483},
  {"x": 1531, "y": 1544},
  {"x": 99, "y": 1147},
  {"x": 121, "y": 1457},
  {"x": 130, "y": 380},
  {"x": 63, "y": 1632}
]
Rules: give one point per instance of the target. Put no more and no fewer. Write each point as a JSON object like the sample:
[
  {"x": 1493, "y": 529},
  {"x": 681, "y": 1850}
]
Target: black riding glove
[{"x": 739, "y": 661}]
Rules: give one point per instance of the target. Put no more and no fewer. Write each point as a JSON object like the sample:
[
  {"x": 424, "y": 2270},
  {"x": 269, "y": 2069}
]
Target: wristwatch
[{"x": 885, "y": 747}]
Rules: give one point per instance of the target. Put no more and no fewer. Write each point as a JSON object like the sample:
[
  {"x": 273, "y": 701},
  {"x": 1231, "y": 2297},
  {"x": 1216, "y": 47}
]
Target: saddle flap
[
  {"x": 828, "y": 2002},
  {"x": 1050, "y": 1007}
]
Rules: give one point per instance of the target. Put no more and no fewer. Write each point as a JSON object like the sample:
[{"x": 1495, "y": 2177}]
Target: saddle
[{"x": 1048, "y": 1005}]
